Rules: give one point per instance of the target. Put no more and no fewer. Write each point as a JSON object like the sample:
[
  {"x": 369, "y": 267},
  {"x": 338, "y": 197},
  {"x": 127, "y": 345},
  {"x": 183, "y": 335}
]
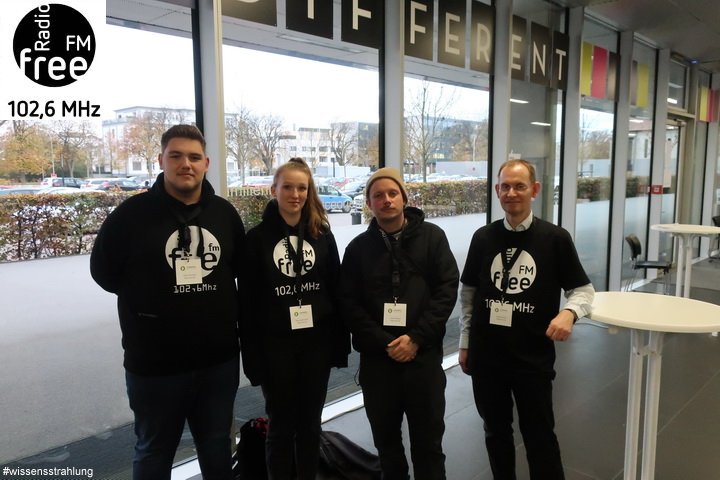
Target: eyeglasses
[{"x": 518, "y": 187}]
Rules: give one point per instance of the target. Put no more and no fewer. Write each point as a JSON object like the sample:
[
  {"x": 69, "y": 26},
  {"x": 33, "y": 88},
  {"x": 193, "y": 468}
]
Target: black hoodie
[
  {"x": 272, "y": 286},
  {"x": 168, "y": 327},
  {"x": 428, "y": 285}
]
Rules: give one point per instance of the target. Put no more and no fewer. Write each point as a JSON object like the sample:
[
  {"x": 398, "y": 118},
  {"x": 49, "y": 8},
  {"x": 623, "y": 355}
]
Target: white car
[{"x": 358, "y": 201}]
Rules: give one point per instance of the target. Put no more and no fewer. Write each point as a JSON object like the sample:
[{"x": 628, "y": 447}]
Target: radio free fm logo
[{"x": 54, "y": 45}]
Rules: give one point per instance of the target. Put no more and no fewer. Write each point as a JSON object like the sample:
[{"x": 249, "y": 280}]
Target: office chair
[
  {"x": 639, "y": 264},
  {"x": 716, "y": 222}
]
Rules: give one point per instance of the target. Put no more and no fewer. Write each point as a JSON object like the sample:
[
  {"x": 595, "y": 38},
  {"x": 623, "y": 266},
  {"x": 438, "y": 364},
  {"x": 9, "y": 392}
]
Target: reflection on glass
[
  {"x": 673, "y": 136},
  {"x": 639, "y": 152},
  {"x": 677, "y": 85},
  {"x": 535, "y": 137}
]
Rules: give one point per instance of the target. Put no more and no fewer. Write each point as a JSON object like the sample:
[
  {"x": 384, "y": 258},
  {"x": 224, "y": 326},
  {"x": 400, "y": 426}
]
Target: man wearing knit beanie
[
  {"x": 391, "y": 173},
  {"x": 399, "y": 286}
]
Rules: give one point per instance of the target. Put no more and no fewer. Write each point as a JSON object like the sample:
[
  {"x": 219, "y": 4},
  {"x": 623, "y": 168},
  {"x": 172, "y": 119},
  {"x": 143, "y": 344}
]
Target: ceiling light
[
  {"x": 515, "y": 100},
  {"x": 541, "y": 124}
]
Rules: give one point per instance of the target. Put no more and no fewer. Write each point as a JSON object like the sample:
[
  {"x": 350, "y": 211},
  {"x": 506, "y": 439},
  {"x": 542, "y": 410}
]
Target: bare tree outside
[
  {"x": 239, "y": 138},
  {"x": 471, "y": 141},
  {"x": 114, "y": 155},
  {"x": 425, "y": 119},
  {"x": 595, "y": 143},
  {"x": 142, "y": 136},
  {"x": 343, "y": 144},
  {"x": 74, "y": 144},
  {"x": 266, "y": 131}
]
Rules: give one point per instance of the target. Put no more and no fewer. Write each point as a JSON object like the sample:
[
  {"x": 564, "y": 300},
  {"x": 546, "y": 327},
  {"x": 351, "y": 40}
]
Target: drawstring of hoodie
[{"x": 185, "y": 237}]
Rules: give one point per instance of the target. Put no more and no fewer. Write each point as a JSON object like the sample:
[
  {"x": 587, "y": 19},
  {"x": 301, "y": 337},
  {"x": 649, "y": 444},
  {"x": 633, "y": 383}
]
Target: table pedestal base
[{"x": 653, "y": 351}]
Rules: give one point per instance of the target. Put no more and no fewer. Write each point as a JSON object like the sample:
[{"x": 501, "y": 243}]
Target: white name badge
[
  {"x": 501, "y": 314},
  {"x": 394, "y": 315},
  {"x": 188, "y": 271},
  {"x": 301, "y": 317}
]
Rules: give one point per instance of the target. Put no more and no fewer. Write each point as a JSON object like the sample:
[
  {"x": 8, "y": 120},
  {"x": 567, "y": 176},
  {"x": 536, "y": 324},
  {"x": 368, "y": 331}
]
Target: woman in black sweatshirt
[{"x": 294, "y": 333}]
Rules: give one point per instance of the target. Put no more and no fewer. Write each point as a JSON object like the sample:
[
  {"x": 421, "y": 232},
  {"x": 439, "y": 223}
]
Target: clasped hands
[{"x": 402, "y": 349}]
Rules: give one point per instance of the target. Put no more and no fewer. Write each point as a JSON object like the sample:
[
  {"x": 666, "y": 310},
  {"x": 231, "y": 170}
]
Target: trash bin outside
[{"x": 356, "y": 217}]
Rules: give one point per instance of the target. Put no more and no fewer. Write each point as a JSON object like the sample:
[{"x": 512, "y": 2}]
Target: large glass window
[
  {"x": 536, "y": 103},
  {"x": 446, "y": 132},
  {"x": 598, "y": 86},
  {"x": 642, "y": 95},
  {"x": 324, "y": 112}
]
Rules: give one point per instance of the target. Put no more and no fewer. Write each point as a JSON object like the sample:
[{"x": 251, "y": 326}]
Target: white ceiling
[{"x": 690, "y": 28}]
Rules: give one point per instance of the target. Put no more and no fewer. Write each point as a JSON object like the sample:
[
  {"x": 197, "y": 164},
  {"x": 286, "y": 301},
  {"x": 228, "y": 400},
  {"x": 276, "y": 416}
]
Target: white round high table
[
  {"x": 649, "y": 315},
  {"x": 686, "y": 233}
]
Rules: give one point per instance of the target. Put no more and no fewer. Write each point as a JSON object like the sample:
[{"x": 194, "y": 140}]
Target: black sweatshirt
[
  {"x": 169, "y": 326},
  {"x": 272, "y": 287}
]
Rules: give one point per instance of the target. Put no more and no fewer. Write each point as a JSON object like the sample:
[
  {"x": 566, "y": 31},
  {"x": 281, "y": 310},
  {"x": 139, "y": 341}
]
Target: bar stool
[{"x": 640, "y": 264}]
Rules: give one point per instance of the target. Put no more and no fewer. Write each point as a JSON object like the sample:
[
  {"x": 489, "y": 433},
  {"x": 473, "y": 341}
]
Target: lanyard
[
  {"x": 508, "y": 263},
  {"x": 297, "y": 258},
  {"x": 184, "y": 238},
  {"x": 184, "y": 231},
  {"x": 391, "y": 244}
]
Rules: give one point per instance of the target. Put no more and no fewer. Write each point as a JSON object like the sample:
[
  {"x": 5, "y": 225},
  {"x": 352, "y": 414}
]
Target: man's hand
[
  {"x": 561, "y": 326},
  {"x": 402, "y": 349},
  {"x": 463, "y": 360}
]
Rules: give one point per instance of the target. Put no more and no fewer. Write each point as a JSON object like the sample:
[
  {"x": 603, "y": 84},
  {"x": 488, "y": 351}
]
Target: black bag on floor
[
  {"x": 249, "y": 458},
  {"x": 341, "y": 459}
]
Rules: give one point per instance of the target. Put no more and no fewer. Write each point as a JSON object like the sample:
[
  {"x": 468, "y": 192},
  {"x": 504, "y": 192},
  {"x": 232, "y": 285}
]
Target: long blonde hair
[{"x": 313, "y": 211}]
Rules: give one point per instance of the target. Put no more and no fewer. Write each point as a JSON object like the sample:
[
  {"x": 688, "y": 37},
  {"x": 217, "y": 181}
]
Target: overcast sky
[{"x": 156, "y": 70}]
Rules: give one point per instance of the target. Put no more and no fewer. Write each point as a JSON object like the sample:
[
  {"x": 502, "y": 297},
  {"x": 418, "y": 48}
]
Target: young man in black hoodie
[
  {"x": 172, "y": 255},
  {"x": 399, "y": 286}
]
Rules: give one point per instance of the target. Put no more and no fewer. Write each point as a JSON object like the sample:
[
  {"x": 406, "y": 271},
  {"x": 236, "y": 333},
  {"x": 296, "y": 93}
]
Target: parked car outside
[
  {"x": 59, "y": 190},
  {"x": 94, "y": 183},
  {"x": 332, "y": 199},
  {"x": 358, "y": 201},
  {"x": 353, "y": 188},
  {"x": 123, "y": 184},
  {"x": 19, "y": 190},
  {"x": 61, "y": 182}
]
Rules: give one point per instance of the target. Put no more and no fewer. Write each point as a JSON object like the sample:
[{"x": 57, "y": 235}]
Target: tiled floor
[{"x": 590, "y": 405}]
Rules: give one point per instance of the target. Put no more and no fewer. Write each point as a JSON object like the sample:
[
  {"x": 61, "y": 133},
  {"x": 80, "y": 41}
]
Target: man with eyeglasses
[
  {"x": 511, "y": 316},
  {"x": 172, "y": 255}
]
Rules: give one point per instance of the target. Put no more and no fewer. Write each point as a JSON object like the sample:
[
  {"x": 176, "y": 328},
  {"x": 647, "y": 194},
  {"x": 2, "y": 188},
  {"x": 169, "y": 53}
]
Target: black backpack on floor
[
  {"x": 249, "y": 458},
  {"x": 341, "y": 459}
]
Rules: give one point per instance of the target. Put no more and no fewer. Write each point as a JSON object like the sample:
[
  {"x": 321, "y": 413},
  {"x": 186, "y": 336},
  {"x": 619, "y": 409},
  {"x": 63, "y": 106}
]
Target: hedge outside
[{"x": 42, "y": 226}]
